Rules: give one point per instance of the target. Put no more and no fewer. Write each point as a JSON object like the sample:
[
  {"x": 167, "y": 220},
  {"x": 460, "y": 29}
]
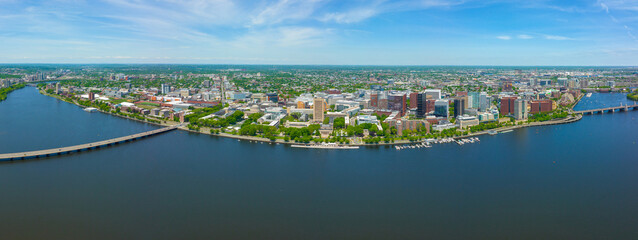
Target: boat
[
  {"x": 506, "y": 131},
  {"x": 90, "y": 109},
  {"x": 325, "y": 146},
  {"x": 492, "y": 132}
]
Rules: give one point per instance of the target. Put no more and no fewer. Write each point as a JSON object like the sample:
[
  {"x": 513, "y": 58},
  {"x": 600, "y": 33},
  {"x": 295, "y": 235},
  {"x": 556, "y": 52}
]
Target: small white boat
[{"x": 325, "y": 146}]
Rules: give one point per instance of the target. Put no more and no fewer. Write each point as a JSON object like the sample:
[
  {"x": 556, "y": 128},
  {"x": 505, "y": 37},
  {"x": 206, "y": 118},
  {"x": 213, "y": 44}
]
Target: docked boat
[
  {"x": 506, "y": 131},
  {"x": 90, "y": 109},
  {"x": 492, "y": 132},
  {"x": 325, "y": 146}
]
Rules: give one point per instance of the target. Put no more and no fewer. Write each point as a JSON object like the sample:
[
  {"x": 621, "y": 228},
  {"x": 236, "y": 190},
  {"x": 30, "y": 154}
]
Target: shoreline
[{"x": 206, "y": 131}]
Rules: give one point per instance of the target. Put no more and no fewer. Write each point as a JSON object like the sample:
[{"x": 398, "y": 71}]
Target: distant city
[{"x": 316, "y": 105}]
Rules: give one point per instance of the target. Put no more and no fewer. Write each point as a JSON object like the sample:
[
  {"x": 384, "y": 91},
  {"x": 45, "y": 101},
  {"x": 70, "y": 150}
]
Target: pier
[
  {"x": 608, "y": 110},
  {"x": 82, "y": 147}
]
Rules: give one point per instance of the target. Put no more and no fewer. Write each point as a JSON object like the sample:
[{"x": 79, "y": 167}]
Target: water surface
[{"x": 574, "y": 181}]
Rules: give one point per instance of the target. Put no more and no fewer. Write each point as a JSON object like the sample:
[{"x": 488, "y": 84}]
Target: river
[{"x": 575, "y": 181}]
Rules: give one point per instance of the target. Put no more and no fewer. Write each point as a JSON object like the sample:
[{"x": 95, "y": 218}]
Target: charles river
[{"x": 573, "y": 181}]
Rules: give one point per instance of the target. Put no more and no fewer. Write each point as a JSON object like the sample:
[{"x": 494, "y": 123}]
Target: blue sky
[{"x": 420, "y": 32}]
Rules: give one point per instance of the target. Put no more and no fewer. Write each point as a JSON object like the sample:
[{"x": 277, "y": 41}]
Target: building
[
  {"x": 383, "y": 103},
  {"x": 435, "y": 93},
  {"x": 473, "y": 100},
  {"x": 507, "y": 105},
  {"x": 460, "y": 104},
  {"x": 414, "y": 100},
  {"x": 421, "y": 107},
  {"x": 397, "y": 102},
  {"x": 318, "y": 109},
  {"x": 374, "y": 100},
  {"x": 91, "y": 96},
  {"x": 484, "y": 102},
  {"x": 166, "y": 89},
  {"x": 520, "y": 109},
  {"x": 273, "y": 97},
  {"x": 361, "y": 119},
  {"x": 442, "y": 108},
  {"x": 467, "y": 121},
  {"x": 540, "y": 106},
  {"x": 57, "y": 88}
]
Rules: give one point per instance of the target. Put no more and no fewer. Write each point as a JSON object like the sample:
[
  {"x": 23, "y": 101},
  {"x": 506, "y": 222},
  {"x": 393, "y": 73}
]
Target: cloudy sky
[{"x": 357, "y": 32}]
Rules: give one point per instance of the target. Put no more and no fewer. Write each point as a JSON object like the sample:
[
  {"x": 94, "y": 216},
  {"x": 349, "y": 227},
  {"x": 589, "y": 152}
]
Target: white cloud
[
  {"x": 604, "y": 7},
  {"x": 504, "y": 37},
  {"x": 559, "y": 38},
  {"x": 352, "y": 16},
  {"x": 286, "y": 10},
  {"x": 524, "y": 36}
]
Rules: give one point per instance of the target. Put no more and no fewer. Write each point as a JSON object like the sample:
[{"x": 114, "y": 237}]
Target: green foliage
[
  {"x": 485, "y": 126},
  {"x": 5, "y": 91},
  {"x": 541, "y": 117},
  {"x": 339, "y": 123}
]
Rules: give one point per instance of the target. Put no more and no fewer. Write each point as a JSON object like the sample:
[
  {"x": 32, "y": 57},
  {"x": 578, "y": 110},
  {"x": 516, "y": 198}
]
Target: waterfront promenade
[{"x": 82, "y": 147}]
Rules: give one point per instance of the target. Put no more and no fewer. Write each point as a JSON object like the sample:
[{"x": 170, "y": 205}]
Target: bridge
[
  {"x": 82, "y": 147},
  {"x": 609, "y": 109}
]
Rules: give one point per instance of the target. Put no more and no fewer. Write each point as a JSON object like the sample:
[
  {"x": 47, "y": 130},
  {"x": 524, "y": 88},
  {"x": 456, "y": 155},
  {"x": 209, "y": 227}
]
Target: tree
[{"x": 339, "y": 123}]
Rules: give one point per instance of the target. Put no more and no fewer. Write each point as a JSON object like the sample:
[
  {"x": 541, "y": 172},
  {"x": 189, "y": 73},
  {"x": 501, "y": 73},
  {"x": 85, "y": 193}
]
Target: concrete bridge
[
  {"x": 609, "y": 109},
  {"x": 82, "y": 147}
]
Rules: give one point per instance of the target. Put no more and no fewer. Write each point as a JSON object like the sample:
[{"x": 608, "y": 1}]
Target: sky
[{"x": 327, "y": 32}]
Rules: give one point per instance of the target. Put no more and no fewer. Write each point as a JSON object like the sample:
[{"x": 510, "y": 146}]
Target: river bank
[{"x": 207, "y": 131}]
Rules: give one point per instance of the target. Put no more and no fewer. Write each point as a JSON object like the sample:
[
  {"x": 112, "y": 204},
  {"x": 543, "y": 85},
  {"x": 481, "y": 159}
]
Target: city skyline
[{"x": 565, "y": 33}]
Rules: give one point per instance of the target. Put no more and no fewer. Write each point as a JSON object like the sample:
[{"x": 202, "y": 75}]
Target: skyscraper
[
  {"x": 318, "y": 109},
  {"x": 166, "y": 89},
  {"x": 520, "y": 109},
  {"x": 507, "y": 105},
  {"x": 374, "y": 100},
  {"x": 474, "y": 102},
  {"x": 396, "y": 102},
  {"x": 435, "y": 93},
  {"x": 459, "y": 106},
  {"x": 442, "y": 108},
  {"x": 421, "y": 107},
  {"x": 413, "y": 100},
  {"x": 484, "y": 102}
]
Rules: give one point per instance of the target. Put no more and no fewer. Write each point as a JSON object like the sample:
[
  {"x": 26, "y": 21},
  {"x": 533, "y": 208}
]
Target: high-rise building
[
  {"x": 473, "y": 100},
  {"x": 429, "y": 106},
  {"x": 57, "y": 88},
  {"x": 435, "y": 93},
  {"x": 91, "y": 96},
  {"x": 484, "y": 102},
  {"x": 459, "y": 106},
  {"x": 273, "y": 97},
  {"x": 540, "y": 106},
  {"x": 396, "y": 102},
  {"x": 374, "y": 100},
  {"x": 442, "y": 108},
  {"x": 421, "y": 108},
  {"x": 383, "y": 103},
  {"x": 413, "y": 100},
  {"x": 507, "y": 105},
  {"x": 166, "y": 89},
  {"x": 318, "y": 109},
  {"x": 520, "y": 109}
]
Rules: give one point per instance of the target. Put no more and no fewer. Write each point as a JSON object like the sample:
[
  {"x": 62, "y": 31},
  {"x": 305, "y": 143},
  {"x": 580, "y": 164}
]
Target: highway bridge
[
  {"x": 82, "y": 147},
  {"x": 609, "y": 109}
]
